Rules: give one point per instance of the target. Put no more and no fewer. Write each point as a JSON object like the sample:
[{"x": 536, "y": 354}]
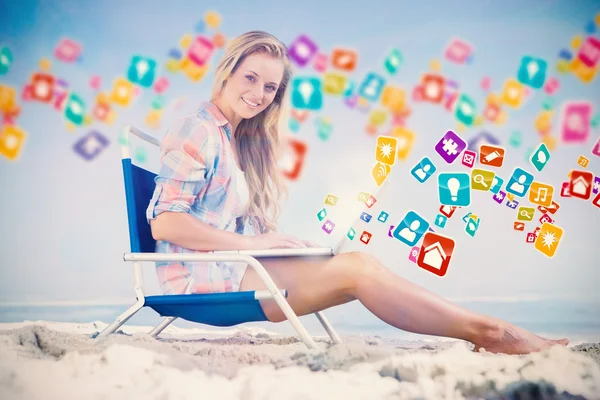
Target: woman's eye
[
  {"x": 271, "y": 88},
  {"x": 250, "y": 78}
]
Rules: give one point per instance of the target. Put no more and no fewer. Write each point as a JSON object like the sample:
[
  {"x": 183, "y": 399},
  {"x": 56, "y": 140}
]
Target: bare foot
[{"x": 509, "y": 339}]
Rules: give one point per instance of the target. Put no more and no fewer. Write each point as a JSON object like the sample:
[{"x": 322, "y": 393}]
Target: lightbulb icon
[
  {"x": 453, "y": 186},
  {"x": 306, "y": 90}
]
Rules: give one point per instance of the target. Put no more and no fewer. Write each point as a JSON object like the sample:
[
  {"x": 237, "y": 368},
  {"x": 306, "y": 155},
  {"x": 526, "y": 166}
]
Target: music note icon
[{"x": 540, "y": 193}]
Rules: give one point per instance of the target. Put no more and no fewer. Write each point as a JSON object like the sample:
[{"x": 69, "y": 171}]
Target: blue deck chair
[{"x": 216, "y": 309}]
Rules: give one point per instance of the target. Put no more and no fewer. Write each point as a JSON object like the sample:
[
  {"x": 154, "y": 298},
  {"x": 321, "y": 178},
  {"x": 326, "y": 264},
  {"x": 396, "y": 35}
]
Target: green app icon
[
  {"x": 351, "y": 233},
  {"x": 465, "y": 110},
  {"x": 75, "y": 109},
  {"x": 393, "y": 61},
  {"x": 6, "y": 59},
  {"x": 540, "y": 157}
]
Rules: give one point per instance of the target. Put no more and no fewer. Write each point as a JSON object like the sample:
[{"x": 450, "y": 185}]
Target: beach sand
[{"x": 50, "y": 360}]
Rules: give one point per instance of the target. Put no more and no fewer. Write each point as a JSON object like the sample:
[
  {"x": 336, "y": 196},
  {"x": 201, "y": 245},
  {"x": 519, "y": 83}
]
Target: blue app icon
[
  {"x": 496, "y": 184},
  {"x": 472, "y": 226},
  {"x": 307, "y": 93},
  {"x": 454, "y": 189},
  {"x": 423, "y": 170},
  {"x": 142, "y": 71},
  {"x": 365, "y": 217},
  {"x": 465, "y": 218},
  {"x": 532, "y": 72},
  {"x": 410, "y": 230},
  {"x": 519, "y": 182},
  {"x": 383, "y": 216},
  {"x": 440, "y": 220},
  {"x": 372, "y": 86}
]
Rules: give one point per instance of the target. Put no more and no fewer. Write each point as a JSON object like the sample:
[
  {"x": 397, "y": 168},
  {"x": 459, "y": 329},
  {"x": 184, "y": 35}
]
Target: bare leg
[{"x": 318, "y": 283}]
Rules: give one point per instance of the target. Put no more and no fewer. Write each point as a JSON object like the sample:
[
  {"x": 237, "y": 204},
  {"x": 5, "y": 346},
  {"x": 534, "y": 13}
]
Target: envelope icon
[
  {"x": 469, "y": 159},
  {"x": 519, "y": 226}
]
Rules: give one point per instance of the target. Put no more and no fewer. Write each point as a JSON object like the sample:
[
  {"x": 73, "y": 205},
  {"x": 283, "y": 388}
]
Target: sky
[{"x": 64, "y": 226}]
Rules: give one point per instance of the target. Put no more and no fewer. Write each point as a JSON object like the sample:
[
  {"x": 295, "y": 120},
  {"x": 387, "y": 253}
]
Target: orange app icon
[
  {"x": 344, "y": 59},
  {"x": 11, "y": 142},
  {"x": 380, "y": 172},
  {"x": 293, "y": 158},
  {"x": 433, "y": 88},
  {"x": 519, "y": 226},
  {"x": 491, "y": 155},
  {"x": 386, "y": 149},
  {"x": 583, "y": 161},
  {"x": 436, "y": 252},
  {"x": 513, "y": 92},
  {"x": 365, "y": 237},
  {"x": 122, "y": 92},
  {"x": 552, "y": 208},
  {"x": 548, "y": 239},
  {"x": 394, "y": 99},
  {"x": 580, "y": 184},
  {"x": 541, "y": 194},
  {"x": 405, "y": 142}
]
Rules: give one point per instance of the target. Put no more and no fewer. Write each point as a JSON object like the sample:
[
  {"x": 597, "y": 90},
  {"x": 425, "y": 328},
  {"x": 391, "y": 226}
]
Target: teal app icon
[
  {"x": 440, "y": 220},
  {"x": 75, "y": 109},
  {"x": 410, "y": 230},
  {"x": 372, "y": 86},
  {"x": 393, "y": 61},
  {"x": 307, "y": 93},
  {"x": 465, "y": 110},
  {"x": 351, "y": 233},
  {"x": 142, "y": 71},
  {"x": 454, "y": 189},
  {"x": 423, "y": 170},
  {"x": 532, "y": 72},
  {"x": 6, "y": 59},
  {"x": 519, "y": 182},
  {"x": 322, "y": 214},
  {"x": 472, "y": 226},
  {"x": 383, "y": 216},
  {"x": 540, "y": 157},
  {"x": 496, "y": 184}
]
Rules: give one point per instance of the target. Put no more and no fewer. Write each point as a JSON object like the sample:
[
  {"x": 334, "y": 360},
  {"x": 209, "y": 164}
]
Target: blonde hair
[{"x": 258, "y": 140}]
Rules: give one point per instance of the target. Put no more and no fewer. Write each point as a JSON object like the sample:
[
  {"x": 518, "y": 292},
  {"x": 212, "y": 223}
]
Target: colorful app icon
[
  {"x": 530, "y": 238},
  {"x": 511, "y": 203},
  {"x": 513, "y": 93},
  {"x": 365, "y": 237},
  {"x": 546, "y": 218},
  {"x": 320, "y": 63},
  {"x": 541, "y": 193},
  {"x": 589, "y": 52},
  {"x": 458, "y": 51},
  {"x": 42, "y": 87},
  {"x": 405, "y": 142},
  {"x": 581, "y": 184},
  {"x": 328, "y": 226},
  {"x": 468, "y": 159},
  {"x": 492, "y": 156},
  {"x": 331, "y": 200},
  {"x": 450, "y": 146},
  {"x": 596, "y": 185},
  {"x": 142, "y": 71},
  {"x": 482, "y": 179},
  {"x": 67, "y": 50},
  {"x": 435, "y": 253},
  {"x": 423, "y": 170},
  {"x": 499, "y": 197},
  {"x": 12, "y": 140},
  {"x": 351, "y": 233},
  {"x": 583, "y": 161},
  {"x": 293, "y": 157},
  {"x": 497, "y": 183},
  {"x": 432, "y": 88},
  {"x": 519, "y": 182},
  {"x": 548, "y": 239},
  {"x": 383, "y": 216},
  {"x": 410, "y": 230},
  {"x": 386, "y": 149},
  {"x": 370, "y": 201},
  {"x": 322, "y": 214},
  {"x": 551, "y": 209},
  {"x": 75, "y": 109},
  {"x": 465, "y": 110},
  {"x": 454, "y": 189},
  {"x": 344, "y": 59},
  {"x": 380, "y": 172},
  {"x": 565, "y": 189},
  {"x": 447, "y": 210},
  {"x": 525, "y": 213},
  {"x": 6, "y": 59},
  {"x": 575, "y": 121},
  {"x": 393, "y": 61},
  {"x": 414, "y": 254},
  {"x": 365, "y": 216},
  {"x": 91, "y": 145},
  {"x": 393, "y": 98},
  {"x": 302, "y": 50},
  {"x": 122, "y": 92},
  {"x": 307, "y": 93},
  {"x": 532, "y": 72},
  {"x": 540, "y": 157},
  {"x": 440, "y": 220},
  {"x": 518, "y": 226},
  {"x": 372, "y": 86},
  {"x": 472, "y": 225}
]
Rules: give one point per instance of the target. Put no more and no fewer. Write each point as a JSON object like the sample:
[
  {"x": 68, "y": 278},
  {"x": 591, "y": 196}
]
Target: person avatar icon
[
  {"x": 423, "y": 170},
  {"x": 518, "y": 187},
  {"x": 408, "y": 233}
]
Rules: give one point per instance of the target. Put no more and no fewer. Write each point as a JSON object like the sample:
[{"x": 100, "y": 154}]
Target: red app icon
[
  {"x": 370, "y": 201},
  {"x": 365, "y": 237},
  {"x": 435, "y": 253},
  {"x": 537, "y": 231},
  {"x": 42, "y": 87},
  {"x": 468, "y": 159},
  {"x": 344, "y": 59},
  {"x": 519, "y": 226},
  {"x": 293, "y": 158},
  {"x": 596, "y": 200},
  {"x": 101, "y": 111},
  {"x": 580, "y": 184},
  {"x": 530, "y": 237},
  {"x": 564, "y": 189},
  {"x": 448, "y": 210},
  {"x": 552, "y": 208},
  {"x": 491, "y": 155},
  {"x": 432, "y": 88},
  {"x": 491, "y": 112},
  {"x": 546, "y": 218}
]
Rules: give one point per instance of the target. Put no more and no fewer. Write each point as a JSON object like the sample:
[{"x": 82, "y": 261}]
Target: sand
[{"x": 49, "y": 360}]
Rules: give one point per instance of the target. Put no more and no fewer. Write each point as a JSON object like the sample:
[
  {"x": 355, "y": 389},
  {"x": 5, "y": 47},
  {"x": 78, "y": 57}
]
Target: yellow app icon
[
  {"x": 173, "y": 65},
  {"x": 186, "y": 40},
  {"x": 405, "y": 142},
  {"x": 548, "y": 239},
  {"x": 212, "y": 19},
  {"x": 331, "y": 200},
  {"x": 334, "y": 83},
  {"x": 474, "y": 217},
  {"x": 194, "y": 72},
  {"x": 541, "y": 194},
  {"x": 378, "y": 117},
  {"x": 543, "y": 122},
  {"x": 363, "y": 196},
  {"x": 482, "y": 179},
  {"x": 583, "y": 72},
  {"x": 583, "y": 161},
  {"x": 394, "y": 99},
  {"x": 525, "y": 213},
  {"x": 512, "y": 93},
  {"x": 380, "y": 172},
  {"x": 152, "y": 119},
  {"x": 386, "y": 150},
  {"x": 122, "y": 92},
  {"x": 7, "y": 98},
  {"x": 549, "y": 141},
  {"x": 11, "y": 142}
]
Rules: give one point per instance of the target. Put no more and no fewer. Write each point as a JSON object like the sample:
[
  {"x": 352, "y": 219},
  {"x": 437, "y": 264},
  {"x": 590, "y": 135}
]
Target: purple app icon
[
  {"x": 512, "y": 204},
  {"x": 302, "y": 50},
  {"x": 90, "y": 145},
  {"x": 596, "y": 186},
  {"x": 328, "y": 226},
  {"x": 450, "y": 146},
  {"x": 499, "y": 197},
  {"x": 390, "y": 231}
]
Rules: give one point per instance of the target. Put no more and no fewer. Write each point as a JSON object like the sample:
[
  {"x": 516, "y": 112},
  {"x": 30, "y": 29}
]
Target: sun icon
[
  {"x": 386, "y": 150},
  {"x": 548, "y": 239}
]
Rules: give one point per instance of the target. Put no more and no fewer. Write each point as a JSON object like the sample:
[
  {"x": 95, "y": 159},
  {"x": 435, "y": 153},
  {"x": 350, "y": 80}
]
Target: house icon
[
  {"x": 434, "y": 255},
  {"x": 580, "y": 186}
]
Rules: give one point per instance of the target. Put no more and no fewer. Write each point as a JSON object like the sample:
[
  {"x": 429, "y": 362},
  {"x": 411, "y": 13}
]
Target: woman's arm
[{"x": 184, "y": 230}]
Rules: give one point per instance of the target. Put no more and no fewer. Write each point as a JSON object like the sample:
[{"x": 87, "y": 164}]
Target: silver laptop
[{"x": 309, "y": 251}]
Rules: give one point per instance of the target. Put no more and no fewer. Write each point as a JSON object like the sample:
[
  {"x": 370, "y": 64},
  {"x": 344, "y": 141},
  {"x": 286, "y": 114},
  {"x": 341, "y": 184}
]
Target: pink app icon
[
  {"x": 596, "y": 148},
  {"x": 67, "y": 50},
  {"x": 201, "y": 50},
  {"x": 328, "y": 226},
  {"x": 320, "y": 62},
  {"x": 565, "y": 189},
  {"x": 546, "y": 218},
  {"x": 575, "y": 121},
  {"x": 589, "y": 53},
  {"x": 551, "y": 85},
  {"x": 414, "y": 254},
  {"x": 458, "y": 51},
  {"x": 468, "y": 159}
]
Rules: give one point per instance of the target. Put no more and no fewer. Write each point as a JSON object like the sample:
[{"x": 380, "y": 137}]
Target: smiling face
[{"x": 253, "y": 85}]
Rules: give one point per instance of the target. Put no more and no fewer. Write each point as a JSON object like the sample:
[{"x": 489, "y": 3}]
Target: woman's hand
[{"x": 274, "y": 240}]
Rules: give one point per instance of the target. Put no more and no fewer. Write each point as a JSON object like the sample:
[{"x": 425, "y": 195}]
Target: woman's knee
[{"x": 360, "y": 265}]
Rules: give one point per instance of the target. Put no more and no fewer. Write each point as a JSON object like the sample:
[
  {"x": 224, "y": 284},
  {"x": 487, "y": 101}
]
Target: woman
[{"x": 219, "y": 187}]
